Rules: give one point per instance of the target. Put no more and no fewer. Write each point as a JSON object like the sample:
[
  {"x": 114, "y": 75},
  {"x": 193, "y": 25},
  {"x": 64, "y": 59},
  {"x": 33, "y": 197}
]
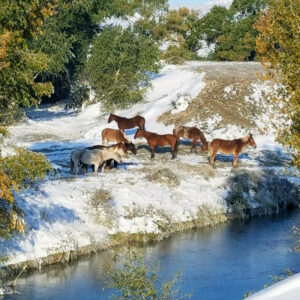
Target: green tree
[
  {"x": 119, "y": 65},
  {"x": 278, "y": 44},
  {"x": 178, "y": 26},
  {"x": 20, "y": 22}
]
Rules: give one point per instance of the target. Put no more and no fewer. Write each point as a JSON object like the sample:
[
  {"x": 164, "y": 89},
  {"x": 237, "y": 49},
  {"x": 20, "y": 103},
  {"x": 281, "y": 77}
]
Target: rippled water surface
[{"x": 223, "y": 262}]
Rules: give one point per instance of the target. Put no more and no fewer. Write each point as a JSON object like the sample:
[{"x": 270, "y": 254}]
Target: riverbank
[
  {"x": 67, "y": 216},
  {"x": 242, "y": 254}
]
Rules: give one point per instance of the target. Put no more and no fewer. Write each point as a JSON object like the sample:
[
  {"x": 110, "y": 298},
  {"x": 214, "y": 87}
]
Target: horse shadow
[
  {"x": 157, "y": 149},
  {"x": 229, "y": 158},
  {"x": 125, "y": 165}
]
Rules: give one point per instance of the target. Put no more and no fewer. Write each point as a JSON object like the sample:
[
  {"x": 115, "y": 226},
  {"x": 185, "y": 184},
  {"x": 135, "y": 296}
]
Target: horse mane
[{"x": 246, "y": 138}]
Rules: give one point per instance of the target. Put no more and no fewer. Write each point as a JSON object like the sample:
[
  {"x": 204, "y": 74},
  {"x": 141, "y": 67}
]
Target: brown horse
[
  {"x": 113, "y": 135},
  {"x": 234, "y": 147},
  {"x": 192, "y": 133},
  {"x": 160, "y": 140},
  {"x": 124, "y": 123}
]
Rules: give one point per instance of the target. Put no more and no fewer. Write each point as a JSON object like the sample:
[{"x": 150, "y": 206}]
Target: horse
[
  {"x": 93, "y": 157},
  {"x": 124, "y": 123},
  {"x": 192, "y": 133},
  {"x": 234, "y": 147},
  {"x": 114, "y": 135},
  {"x": 155, "y": 139},
  {"x": 125, "y": 148},
  {"x": 75, "y": 160}
]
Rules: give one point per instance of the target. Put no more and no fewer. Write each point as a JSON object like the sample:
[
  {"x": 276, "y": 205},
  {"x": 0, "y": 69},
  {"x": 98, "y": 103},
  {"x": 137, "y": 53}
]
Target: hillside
[{"x": 150, "y": 199}]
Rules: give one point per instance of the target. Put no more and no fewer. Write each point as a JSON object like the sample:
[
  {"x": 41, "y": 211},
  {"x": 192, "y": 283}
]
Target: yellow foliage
[{"x": 278, "y": 44}]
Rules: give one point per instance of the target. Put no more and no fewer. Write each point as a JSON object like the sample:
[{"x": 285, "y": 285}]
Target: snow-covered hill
[{"x": 155, "y": 197}]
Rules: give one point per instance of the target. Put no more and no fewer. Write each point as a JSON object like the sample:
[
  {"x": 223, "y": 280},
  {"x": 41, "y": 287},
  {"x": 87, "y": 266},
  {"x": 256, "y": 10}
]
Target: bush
[
  {"x": 17, "y": 171},
  {"x": 164, "y": 176},
  {"x": 135, "y": 279}
]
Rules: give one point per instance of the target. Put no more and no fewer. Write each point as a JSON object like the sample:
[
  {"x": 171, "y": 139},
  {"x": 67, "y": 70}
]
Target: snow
[
  {"x": 58, "y": 212},
  {"x": 206, "y": 49},
  {"x": 288, "y": 288}
]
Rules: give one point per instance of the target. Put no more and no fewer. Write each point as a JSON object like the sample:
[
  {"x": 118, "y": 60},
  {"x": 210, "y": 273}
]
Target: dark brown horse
[
  {"x": 160, "y": 140},
  {"x": 114, "y": 135},
  {"x": 234, "y": 147},
  {"x": 192, "y": 133},
  {"x": 124, "y": 123}
]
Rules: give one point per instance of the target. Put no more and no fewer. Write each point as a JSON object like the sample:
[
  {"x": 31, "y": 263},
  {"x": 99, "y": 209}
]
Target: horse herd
[{"x": 103, "y": 155}]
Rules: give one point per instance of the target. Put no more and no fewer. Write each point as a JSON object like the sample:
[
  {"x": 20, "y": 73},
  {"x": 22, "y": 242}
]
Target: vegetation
[
  {"x": 17, "y": 171},
  {"x": 124, "y": 60},
  {"x": 135, "y": 279},
  {"x": 164, "y": 176},
  {"x": 101, "y": 207},
  {"x": 279, "y": 47},
  {"x": 20, "y": 22}
]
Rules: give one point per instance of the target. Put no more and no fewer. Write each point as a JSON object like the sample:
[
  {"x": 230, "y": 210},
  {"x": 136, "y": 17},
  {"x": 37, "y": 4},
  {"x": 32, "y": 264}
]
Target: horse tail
[{"x": 71, "y": 165}]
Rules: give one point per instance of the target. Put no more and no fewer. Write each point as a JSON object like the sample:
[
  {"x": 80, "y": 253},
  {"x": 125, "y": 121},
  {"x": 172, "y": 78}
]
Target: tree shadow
[{"x": 47, "y": 115}]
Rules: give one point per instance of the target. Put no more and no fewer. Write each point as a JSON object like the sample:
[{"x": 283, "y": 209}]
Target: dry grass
[
  {"x": 214, "y": 101},
  {"x": 101, "y": 209},
  {"x": 163, "y": 176},
  {"x": 205, "y": 170}
]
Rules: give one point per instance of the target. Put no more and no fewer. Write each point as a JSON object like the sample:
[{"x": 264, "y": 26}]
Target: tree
[
  {"x": 119, "y": 65},
  {"x": 20, "y": 22},
  {"x": 278, "y": 44},
  {"x": 178, "y": 26}
]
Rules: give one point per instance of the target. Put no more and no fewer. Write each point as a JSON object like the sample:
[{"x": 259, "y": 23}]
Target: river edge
[{"x": 10, "y": 272}]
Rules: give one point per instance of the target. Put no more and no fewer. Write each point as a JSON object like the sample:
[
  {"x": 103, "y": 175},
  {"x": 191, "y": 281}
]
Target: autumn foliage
[{"x": 278, "y": 44}]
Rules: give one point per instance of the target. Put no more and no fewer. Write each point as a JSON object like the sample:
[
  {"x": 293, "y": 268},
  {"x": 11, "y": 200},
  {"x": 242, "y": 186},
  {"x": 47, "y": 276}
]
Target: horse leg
[
  {"x": 194, "y": 146},
  {"x": 235, "y": 160},
  {"x": 174, "y": 150},
  {"x": 103, "y": 166},
  {"x": 105, "y": 142},
  {"x": 212, "y": 158},
  {"x": 115, "y": 164},
  {"x": 152, "y": 152},
  {"x": 96, "y": 166}
]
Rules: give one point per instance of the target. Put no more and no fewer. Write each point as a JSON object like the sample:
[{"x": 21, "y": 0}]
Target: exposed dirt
[{"x": 226, "y": 86}]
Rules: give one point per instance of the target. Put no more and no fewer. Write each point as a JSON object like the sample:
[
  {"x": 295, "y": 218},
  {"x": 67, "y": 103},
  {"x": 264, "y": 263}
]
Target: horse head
[
  {"x": 138, "y": 133},
  {"x": 111, "y": 118},
  {"x": 131, "y": 147},
  {"x": 251, "y": 141},
  {"x": 205, "y": 146}
]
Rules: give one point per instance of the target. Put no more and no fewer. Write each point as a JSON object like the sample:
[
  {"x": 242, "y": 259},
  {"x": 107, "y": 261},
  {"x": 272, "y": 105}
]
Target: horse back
[{"x": 225, "y": 146}]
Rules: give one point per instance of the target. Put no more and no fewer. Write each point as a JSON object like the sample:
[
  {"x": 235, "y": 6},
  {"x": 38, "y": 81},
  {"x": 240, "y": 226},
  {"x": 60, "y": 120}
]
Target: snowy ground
[{"x": 58, "y": 210}]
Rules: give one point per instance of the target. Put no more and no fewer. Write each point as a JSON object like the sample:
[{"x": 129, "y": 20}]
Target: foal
[
  {"x": 124, "y": 123},
  {"x": 161, "y": 140},
  {"x": 234, "y": 147},
  {"x": 192, "y": 133}
]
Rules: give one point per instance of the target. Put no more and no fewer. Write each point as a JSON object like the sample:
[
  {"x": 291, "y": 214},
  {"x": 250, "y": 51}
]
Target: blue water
[{"x": 219, "y": 263}]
